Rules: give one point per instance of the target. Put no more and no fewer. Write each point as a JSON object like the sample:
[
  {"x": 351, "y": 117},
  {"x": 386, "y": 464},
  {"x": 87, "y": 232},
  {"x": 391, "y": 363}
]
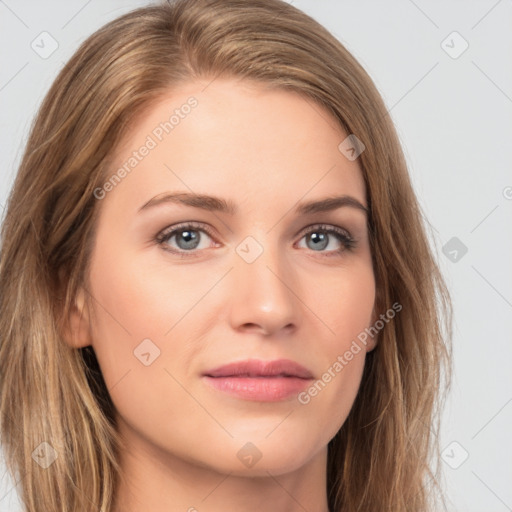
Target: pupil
[
  {"x": 320, "y": 240},
  {"x": 187, "y": 239}
]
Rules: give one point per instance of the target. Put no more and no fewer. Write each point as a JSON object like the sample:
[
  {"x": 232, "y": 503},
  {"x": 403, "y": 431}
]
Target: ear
[
  {"x": 76, "y": 329},
  {"x": 371, "y": 341}
]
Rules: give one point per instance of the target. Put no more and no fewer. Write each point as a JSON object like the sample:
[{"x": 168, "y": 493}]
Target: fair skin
[{"x": 305, "y": 298}]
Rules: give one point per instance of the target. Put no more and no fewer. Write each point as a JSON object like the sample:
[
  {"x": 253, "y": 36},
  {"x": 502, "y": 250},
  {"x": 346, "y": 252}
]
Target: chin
[{"x": 276, "y": 455}]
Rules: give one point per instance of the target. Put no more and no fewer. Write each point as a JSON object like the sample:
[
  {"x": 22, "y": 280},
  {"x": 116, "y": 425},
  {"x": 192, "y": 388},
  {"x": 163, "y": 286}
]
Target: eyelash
[{"x": 343, "y": 236}]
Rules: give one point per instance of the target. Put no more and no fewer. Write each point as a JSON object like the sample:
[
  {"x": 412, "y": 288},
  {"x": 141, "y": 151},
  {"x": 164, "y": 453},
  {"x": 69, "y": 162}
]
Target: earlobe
[
  {"x": 371, "y": 341},
  {"x": 76, "y": 328}
]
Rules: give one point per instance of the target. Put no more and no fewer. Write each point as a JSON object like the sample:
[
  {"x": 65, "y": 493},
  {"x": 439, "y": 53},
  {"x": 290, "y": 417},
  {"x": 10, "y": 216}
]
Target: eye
[
  {"x": 328, "y": 239},
  {"x": 183, "y": 238},
  {"x": 189, "y": 238}
]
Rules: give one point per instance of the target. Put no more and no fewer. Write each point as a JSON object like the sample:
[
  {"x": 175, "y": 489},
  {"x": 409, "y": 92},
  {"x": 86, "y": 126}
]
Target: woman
[{"x": 217, "y": 290}]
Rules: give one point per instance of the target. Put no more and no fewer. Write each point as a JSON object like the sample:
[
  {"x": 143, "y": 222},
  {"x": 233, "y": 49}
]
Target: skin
[{"x": 264, "y": 150}]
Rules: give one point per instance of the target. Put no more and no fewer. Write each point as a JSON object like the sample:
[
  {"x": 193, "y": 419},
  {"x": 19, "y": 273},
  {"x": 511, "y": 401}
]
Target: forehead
[{"x": 235, "y": 138}]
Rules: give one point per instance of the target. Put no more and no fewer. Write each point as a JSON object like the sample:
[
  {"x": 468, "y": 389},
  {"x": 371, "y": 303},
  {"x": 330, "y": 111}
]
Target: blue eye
[
  {"x": 336, "y": 240},
  {"x": 185, "y": 238},
  {"x": 190, "y": 238}
]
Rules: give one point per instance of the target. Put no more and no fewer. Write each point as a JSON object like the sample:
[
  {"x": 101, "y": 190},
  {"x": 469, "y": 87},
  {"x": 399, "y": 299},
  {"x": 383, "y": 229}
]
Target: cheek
[
  {"x": 143, "y": 298},
  {"x": 346, "y": 307},
  {"x": 138, "y": 299},
  {"x": 346, "y": 302},
  {"x": 136, "y": 309}
]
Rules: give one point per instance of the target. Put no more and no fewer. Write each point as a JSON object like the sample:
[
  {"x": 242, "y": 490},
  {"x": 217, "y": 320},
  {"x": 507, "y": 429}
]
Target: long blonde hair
[{"x": 383, "y": 455}]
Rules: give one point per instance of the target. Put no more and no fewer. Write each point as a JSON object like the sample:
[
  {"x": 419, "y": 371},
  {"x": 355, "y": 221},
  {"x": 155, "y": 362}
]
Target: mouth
[{"x": 261, "y": 381}]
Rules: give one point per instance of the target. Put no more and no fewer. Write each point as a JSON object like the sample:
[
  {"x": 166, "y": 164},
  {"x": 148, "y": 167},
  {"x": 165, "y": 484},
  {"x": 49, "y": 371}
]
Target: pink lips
[{"x": 263, "y": 381}]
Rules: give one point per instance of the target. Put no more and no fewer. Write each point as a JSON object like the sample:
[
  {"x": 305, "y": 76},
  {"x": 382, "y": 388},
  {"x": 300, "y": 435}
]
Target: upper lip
[{"x": 258, "y": 368}]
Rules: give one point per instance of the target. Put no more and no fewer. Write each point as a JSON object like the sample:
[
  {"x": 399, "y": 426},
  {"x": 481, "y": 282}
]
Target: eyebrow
[{"x": 217, "y": 204}]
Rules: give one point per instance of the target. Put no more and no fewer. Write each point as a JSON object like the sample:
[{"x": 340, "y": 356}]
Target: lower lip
[{"x": 259, "y": 389}]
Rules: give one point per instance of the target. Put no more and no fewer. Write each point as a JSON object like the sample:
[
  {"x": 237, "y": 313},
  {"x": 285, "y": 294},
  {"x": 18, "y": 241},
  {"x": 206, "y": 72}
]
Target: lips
[{"x": 264, "y": 381}]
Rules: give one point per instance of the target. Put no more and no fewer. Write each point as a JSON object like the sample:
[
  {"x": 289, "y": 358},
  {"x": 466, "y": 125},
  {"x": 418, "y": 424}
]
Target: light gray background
[{"x": 454, "y": 117}]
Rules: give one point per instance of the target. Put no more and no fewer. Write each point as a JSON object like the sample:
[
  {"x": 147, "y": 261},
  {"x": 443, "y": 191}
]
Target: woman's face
[{"x": 216, "y": 247}]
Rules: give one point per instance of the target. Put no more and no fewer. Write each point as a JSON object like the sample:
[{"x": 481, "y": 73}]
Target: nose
[{"x": 264, "y": 298}]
